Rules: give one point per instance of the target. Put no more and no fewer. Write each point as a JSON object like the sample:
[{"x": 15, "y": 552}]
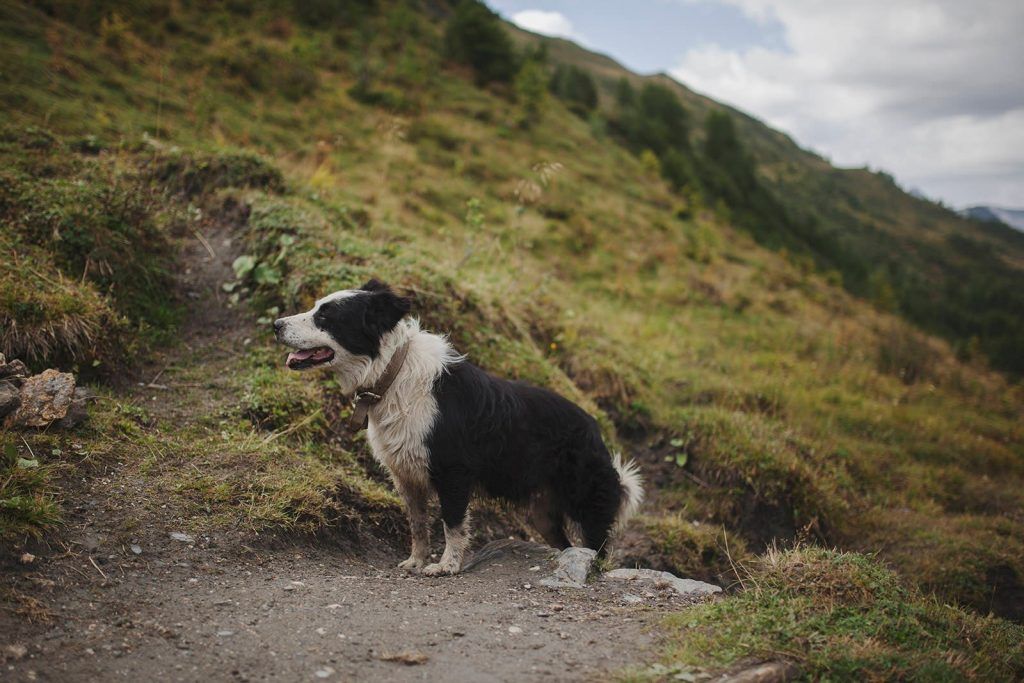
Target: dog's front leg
[
  {"x": 454, "y": 495},
  {"x": 415, "y": 497}
]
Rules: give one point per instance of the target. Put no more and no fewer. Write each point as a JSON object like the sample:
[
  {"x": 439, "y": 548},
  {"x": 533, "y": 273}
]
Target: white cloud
[
  {"x": 927, "y": 89},
  {"x": 546, "y": 23}
]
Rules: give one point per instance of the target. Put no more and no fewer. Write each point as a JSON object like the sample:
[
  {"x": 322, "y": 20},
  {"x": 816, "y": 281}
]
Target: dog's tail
[{"x": 632, "y": 488}]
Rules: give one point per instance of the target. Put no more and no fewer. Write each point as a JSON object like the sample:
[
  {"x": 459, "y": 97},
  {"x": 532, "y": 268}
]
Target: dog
[{"x": 442, "y": 426}]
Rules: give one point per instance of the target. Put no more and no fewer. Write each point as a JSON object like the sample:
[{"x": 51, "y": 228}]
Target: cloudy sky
[{"x": 929, "y": 90}]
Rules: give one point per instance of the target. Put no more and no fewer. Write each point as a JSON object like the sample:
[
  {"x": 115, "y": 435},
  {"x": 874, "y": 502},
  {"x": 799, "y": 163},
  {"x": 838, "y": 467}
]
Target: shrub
[
  {"x": 576, "y": 88},
  {"x": 475, "y": 37},
  {"x": 531, "y": 91}
]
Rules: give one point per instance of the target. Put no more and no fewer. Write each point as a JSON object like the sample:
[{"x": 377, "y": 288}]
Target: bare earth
[{"x": 229, "y": 606}]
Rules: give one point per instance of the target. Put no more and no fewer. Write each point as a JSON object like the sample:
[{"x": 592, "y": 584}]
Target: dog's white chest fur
[{"x": 400, "y": 424}]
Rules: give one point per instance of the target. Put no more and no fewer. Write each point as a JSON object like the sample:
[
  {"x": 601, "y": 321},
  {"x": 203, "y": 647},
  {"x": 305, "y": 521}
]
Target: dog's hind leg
[
  {"x": 548, "y": 519},
  {"x": 453, "y": 490},
  {"x": 415, "y": 496}
]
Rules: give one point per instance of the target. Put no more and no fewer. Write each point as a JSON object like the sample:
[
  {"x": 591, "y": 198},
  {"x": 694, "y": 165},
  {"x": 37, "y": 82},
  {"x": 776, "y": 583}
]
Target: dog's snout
[{"x": 278, "y": 325}]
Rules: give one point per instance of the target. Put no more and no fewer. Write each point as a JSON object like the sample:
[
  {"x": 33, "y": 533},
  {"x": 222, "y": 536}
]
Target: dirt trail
[{"x": 222, "y": 606}]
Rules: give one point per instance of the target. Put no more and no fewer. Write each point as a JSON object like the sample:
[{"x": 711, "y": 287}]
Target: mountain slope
[
  {"x": 763, "y": 401},
  {"x": 907, "y": 254}
]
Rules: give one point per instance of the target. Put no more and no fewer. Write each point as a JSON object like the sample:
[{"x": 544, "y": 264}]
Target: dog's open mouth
[{"x": 308, "y": 358}]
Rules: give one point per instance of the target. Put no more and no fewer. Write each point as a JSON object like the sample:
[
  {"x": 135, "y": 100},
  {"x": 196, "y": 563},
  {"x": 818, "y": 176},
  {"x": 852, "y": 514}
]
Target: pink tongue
[
  {"x": 299, "y": 355},
  {"x": 306, "y": 354}
]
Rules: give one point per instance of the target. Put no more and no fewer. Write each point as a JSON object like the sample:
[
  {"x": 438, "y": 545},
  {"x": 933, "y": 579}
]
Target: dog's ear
[{"x": 384, "y": 309}]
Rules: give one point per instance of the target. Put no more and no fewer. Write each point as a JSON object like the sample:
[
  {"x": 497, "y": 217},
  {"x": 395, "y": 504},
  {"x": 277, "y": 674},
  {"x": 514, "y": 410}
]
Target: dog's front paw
[
  {"x": 412, "y": 564},
  {"x": 441, "y": 568}
]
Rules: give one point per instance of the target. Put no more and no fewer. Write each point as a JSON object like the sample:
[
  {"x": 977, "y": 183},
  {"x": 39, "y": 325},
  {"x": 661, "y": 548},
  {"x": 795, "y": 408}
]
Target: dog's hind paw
[
  {"x": 441, "y": 568},
  {"x": 412, "y": 564}
]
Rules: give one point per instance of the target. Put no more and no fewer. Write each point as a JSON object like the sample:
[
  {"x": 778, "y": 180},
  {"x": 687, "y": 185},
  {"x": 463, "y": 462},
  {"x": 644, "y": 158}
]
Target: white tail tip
[{"x": 632, "y": 488}]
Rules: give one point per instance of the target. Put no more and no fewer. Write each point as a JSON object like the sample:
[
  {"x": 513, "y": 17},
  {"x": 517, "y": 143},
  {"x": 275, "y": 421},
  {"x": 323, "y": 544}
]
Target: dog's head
[{"x": 343, "y": 330}]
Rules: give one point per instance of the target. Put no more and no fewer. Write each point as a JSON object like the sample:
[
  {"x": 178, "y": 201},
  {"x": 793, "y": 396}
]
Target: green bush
[
  {"x": 576, "y": 88},
  {"x": 475, "y": 37}
]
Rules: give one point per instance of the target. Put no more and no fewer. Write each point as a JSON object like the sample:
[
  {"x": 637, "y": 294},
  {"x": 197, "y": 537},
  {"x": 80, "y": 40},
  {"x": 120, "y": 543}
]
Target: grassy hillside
[
  {"x": 763, "y": 399},
  {"x": 919, "y": 259}
]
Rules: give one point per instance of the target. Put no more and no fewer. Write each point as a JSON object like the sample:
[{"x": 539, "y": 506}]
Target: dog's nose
[{"x": 278, "y": 324}]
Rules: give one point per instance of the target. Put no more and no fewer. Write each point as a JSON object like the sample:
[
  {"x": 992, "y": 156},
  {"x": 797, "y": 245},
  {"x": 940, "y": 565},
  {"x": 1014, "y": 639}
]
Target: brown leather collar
[{"x": 364, "y": 398}]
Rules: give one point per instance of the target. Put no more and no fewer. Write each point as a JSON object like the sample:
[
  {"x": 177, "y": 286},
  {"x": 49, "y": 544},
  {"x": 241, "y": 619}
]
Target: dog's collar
[{"x": 364, "y": 398}]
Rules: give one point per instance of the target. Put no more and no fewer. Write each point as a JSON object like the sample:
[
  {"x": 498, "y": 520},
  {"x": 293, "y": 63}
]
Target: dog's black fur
[{"x": 518, "y": 442}]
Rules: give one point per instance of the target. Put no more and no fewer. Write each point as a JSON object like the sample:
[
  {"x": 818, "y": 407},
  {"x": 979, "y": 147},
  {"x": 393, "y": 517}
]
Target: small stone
[
  {"x": 664, "y": 580},
  {"x": 184, "y": 538},
  {"x": 225, "y": 634},
  {"x": 27, "y": 558},
  {"x": 136, "y": 548},
  {"x": 631, "y": 599},
  {"x": 325, "y": 672},
  {"x": 515, "y": 630},
  {"x": 572, "y": 569},
  {"x": 10, "y": 398},
  {"x": 15, "y": 652}
]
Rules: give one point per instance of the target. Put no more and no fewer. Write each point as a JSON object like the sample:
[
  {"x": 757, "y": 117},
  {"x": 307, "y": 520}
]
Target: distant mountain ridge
[{"x": 992, "y": 214}]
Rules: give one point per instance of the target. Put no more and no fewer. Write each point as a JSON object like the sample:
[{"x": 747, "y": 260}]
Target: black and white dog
[{"x": 443, "y": 426}]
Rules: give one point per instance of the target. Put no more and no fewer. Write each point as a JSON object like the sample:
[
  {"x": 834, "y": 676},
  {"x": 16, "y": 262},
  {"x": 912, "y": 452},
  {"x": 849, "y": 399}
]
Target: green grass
[
  {"x": 28, "y": 506},
  {"x": 842, "y": 616},
  {"x": 787, "y": 407}
]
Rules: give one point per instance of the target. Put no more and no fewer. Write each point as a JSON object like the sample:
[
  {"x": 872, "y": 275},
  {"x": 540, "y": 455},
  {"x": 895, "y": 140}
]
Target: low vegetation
[
  {"x": 611, "y": 248},
  {"x": 842, "y": 616}
]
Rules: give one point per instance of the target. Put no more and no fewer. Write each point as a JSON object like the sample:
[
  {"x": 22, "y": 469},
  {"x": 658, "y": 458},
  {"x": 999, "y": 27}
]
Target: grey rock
[
  {"x": 664, "y": 580},
  {"x": 15, "y": 371},
  {"x": 136, "y": 548},
  {"x": 184, "y": 538},
  {"x": 76, "y": 414},
  {"x": 45, "y": 398},
  {"x": 10, "y": 398},
  {"x": 572, "y": 570}
]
